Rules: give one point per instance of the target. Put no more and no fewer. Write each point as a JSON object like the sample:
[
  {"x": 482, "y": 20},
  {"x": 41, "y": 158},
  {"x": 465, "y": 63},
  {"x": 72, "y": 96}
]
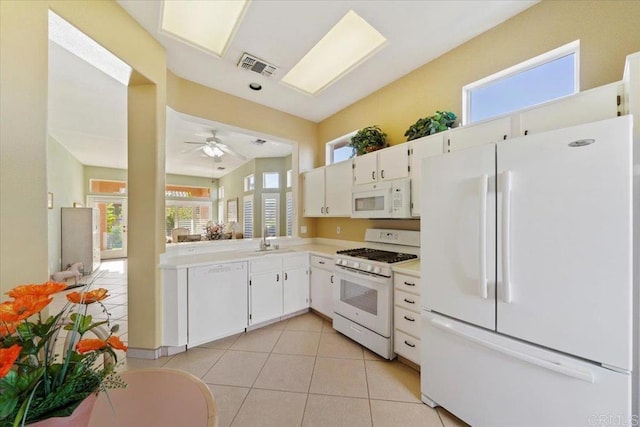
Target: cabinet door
[
  {"x": 321, "y": 292},
  {"x": 266, "y": 296},
  {"x": 366, "y": 168},
  {"x": 584, "y": 107},
  {"x": 313, "y": 192},
  {"x": 479, "y": 134},
  {"x": 421, "y": 148},
  {"x": 295, "y": 293},
  {"x": 393, "y": 162},
  {"x": 338, "y": 179}
]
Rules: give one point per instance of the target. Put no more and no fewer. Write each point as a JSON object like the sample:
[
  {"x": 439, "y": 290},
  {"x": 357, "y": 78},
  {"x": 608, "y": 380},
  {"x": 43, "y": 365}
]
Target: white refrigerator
[{"x": 526, "y": 254}]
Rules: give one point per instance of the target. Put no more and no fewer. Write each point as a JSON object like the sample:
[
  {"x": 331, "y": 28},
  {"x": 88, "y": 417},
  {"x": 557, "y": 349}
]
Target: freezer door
[
  {"x": 565, "y": 239},
  {"x": 489, "y": 380},
  {"x": 457, "y": 239}
]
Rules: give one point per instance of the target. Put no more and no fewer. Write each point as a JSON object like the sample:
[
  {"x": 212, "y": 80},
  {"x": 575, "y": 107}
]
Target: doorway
[{"x": 113, "y": 225}]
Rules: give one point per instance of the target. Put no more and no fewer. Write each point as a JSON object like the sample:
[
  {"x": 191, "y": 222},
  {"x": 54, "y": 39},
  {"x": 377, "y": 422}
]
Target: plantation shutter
[
  {"x": 247, "y": 221},
  {"x": 289, "y": 213},
  {"x": 271, "y": 213}
]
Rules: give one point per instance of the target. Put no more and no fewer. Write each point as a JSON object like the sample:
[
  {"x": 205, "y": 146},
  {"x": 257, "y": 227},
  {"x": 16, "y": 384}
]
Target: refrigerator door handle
[
  {"x": 569, "y": 371},
  {"x": 506, "y": 237},
  {"x": 482, "y": 283}
]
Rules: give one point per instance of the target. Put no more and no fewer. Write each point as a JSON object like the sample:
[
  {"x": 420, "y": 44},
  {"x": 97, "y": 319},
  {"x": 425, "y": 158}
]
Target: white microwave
[{"x": 386, "y": 199}]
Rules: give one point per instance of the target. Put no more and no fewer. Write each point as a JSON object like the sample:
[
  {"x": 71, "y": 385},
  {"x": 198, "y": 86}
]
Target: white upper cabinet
[
  {"x": 327, "y": 190},
  {"x": 337, "y": 189},
  {"x": 584, "y": 107},
  {"x": 382, "y": 165},
  {"x": 479, "y": 134},
  {"x": 420, "y": 148}
]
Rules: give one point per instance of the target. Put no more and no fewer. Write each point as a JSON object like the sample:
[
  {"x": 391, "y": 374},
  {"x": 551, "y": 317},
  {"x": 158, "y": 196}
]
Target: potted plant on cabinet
[
  {"x": 440, "y": 121},
  {"x": 368, "y": 139}
]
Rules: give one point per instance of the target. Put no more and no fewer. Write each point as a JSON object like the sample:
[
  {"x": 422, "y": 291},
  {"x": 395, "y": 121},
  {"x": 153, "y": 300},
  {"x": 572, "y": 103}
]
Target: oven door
[{"x": 365, "y": 299}]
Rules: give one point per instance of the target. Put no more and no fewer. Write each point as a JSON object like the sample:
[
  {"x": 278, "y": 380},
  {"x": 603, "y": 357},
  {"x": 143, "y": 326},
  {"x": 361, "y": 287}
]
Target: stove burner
[{"x": 377, "y": 255}]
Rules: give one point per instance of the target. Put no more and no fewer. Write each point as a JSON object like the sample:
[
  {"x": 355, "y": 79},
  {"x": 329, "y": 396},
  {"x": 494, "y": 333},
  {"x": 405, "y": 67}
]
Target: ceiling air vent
[
  {"x": 251, "y": 63},
  {"x": 259, "y": 141}
]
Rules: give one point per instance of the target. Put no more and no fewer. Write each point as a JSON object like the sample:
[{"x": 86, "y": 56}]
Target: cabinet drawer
[
  {"x": 322, "y": 262},
  {"x": 266, "y": 263},
  {"x": 295, "y": 260},
  {"x": 406, "y": 283},
  {"x": 407, "y": 300},
  {"x": 407, "y": 346},
  {"x": 407, "y": 321}
]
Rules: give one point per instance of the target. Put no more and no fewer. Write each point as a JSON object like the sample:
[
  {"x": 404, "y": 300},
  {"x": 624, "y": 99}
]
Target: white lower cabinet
[
  {"x": 278, "y": 285},
  {"x": 321, "y": 283},
  {"x": 216, "y": 301},
  {"x": 407, "y": 316}
]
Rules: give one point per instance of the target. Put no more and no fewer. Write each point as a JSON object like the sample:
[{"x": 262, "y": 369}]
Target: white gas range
[{"x": 363, "y": 299}]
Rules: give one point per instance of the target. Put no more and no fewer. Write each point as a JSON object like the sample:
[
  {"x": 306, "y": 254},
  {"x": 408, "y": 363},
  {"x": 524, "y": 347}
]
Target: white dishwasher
[{"x": 217, "y": 302}]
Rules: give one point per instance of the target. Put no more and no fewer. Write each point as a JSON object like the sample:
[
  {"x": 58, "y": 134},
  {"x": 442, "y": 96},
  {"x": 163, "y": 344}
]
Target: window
[
  {"x": 105, "y": 186},
  {"x": 249, "y": 183},
  {"x": 271, "y": 180},
  {"x": 221, "y": 204},
  {"x": 289, "y": 178},
  {"x": 338, "y": 150},
  {"x": 289, "y": 213},
  {"x": 543, "y": 78},
  {"x": 271, "y": 213},
  {"x": 190, "y": 215},
  {"x": 247, "y": 222}
]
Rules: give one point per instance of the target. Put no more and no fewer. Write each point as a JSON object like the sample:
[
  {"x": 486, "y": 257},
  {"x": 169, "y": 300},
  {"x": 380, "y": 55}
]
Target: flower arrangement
[
  {"x": 35, "y": 382},
  {"x": 215, "y": 231}
]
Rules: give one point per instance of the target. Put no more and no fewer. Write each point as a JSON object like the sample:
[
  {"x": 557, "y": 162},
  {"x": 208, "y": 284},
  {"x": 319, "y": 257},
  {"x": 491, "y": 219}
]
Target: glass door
[{"x": 113, "y": 225}]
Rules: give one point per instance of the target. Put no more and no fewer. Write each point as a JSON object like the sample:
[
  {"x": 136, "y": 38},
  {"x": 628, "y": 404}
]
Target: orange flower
[
  {"x": 23, "y": 307},
  {"x": 114, "y": 342},
  {"x": 6, "y": 329},
  {"x": 87, "y": 297},
  {"x": 87, "y": 345},
  {"x": 44, "y": 289},
  {"x": 7, "y": 357}
]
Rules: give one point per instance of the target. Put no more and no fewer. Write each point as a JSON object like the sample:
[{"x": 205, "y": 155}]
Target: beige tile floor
[{"x": 297, "y": 372}]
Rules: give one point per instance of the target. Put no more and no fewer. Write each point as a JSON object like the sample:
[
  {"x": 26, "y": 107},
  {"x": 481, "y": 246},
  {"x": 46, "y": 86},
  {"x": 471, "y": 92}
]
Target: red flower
[
  {"x": 23, "y": 307},
  {"x": 87, "y": 345},
  {"x": 115, "y": 343},
  {"x": 44, "y": 289},
  {"x": 87, "y": 297},
  {"x": 7, "y": 357}
]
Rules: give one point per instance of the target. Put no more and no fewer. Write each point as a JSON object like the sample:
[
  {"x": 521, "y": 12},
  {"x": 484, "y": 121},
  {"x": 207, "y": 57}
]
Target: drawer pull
[
  {"x": 409, "y": 301},
  {"x": 321, "y": 262},
  {"x": 409, "y": 344},
  {"x": 409, "y": 284},
  {"x": 409, "y": 319}
]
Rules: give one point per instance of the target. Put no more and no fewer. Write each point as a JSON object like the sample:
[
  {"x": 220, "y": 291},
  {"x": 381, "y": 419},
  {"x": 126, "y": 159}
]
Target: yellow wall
[{"x": 608, "y": 31}]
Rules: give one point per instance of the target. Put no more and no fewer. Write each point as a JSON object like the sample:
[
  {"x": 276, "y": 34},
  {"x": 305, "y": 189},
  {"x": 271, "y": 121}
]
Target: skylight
[
  {"x": 75, "y": 41},
  {"x": 209, "y": 25},
  {"x": 346, "y": 45}
]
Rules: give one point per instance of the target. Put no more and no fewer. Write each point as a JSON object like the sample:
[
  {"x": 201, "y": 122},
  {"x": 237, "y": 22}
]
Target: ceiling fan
[{"x": 214, "y": 147}]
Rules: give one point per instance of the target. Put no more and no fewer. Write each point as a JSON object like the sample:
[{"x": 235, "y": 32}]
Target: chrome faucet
[{"x": 263, "y": 243}]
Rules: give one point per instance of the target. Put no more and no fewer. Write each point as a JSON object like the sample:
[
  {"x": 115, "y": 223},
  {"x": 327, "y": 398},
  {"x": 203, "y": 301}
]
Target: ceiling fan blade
[
  {"x": 191, "y": 150},
  {"x": 229, "y": 151},
  {"x": 194, "y": 142}
]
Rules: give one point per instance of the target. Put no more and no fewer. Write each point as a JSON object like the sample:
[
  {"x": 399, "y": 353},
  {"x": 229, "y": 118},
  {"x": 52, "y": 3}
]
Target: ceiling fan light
[{"x": 212, "y": 151}]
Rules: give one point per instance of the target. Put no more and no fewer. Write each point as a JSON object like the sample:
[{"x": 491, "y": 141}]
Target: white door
[
  {"x": 565, "y": 240},
  {"x": 420, "y": 148},
  {"x": 366, "y": 168},
  {"x": 338, "y": 179},
  {"x": 393, "y": 162},
  {"x": 456, "y": 223},
  {"x": 113, "y": 225},
  {"x": 266, "y": 296},
  {"x": 295, "y": 292},
  {"x": 313, "y": 192}
]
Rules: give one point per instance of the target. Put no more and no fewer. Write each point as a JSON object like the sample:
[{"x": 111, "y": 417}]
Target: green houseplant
[
  {"x": 441, "y": 120},
  {"x": 368, "y": 139}
]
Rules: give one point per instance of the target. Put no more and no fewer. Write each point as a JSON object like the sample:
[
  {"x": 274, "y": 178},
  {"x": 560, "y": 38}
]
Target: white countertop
[{"x": 412, "y": 268}]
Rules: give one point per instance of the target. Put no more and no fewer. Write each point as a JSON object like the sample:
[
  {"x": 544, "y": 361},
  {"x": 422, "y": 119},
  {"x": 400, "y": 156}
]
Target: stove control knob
[
  {"x": 376, "y": 270},
  {"x": 356, "y": 264},
  {"x": 369, "y": 267},
  {"x": 344, "y": 262}
]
